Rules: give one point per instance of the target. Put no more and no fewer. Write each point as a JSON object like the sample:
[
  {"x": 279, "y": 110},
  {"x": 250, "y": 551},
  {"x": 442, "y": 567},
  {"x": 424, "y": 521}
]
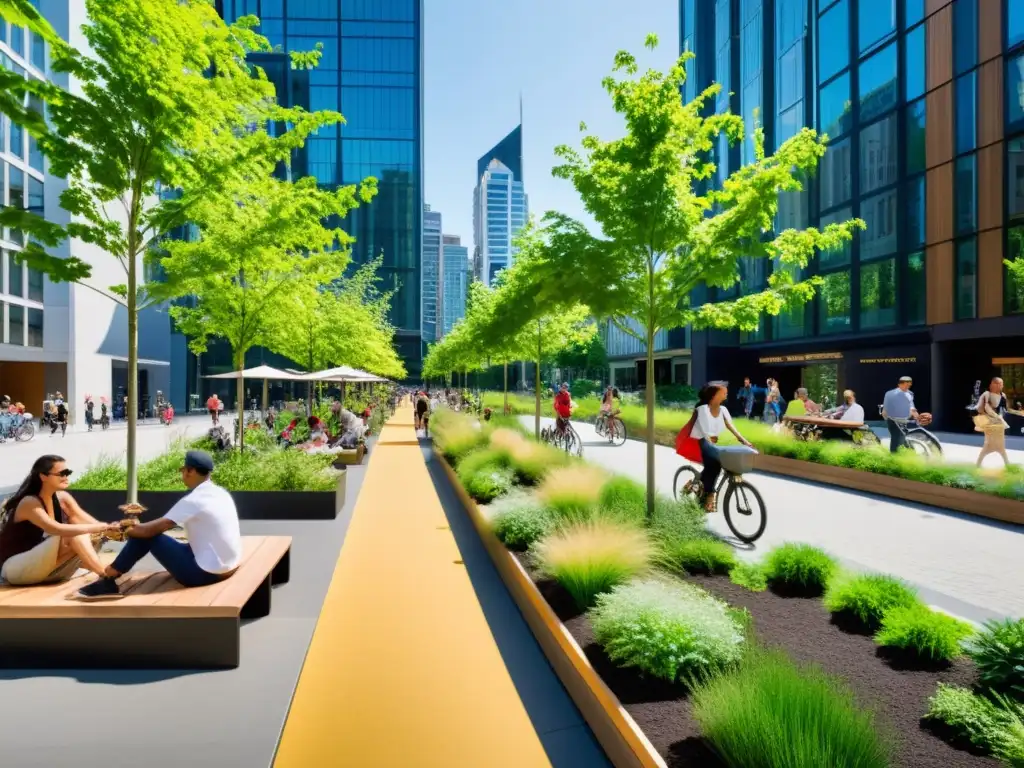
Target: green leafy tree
[
  {"x": 165, "y": 101},
  {"x": 589, "y": 359},
  {"x": 665, "y": 230},
  {"x": 262, "y": 249}
]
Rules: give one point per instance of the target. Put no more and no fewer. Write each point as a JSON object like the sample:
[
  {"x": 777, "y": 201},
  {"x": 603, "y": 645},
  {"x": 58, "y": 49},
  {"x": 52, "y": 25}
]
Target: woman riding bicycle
[
  {"x": 711, "y": 418},
  {"x": 563, "y": 407}
]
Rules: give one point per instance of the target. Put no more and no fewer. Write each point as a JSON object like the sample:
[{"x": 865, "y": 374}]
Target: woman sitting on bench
[
  {"x": 208, "y": 515},
  {"x": 45, "y": 537}
]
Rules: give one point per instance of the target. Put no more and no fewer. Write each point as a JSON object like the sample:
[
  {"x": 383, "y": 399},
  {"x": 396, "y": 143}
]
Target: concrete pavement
[{"x": 967, "y": 566}]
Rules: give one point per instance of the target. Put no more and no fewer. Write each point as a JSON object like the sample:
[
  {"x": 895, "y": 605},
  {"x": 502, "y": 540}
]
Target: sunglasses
[{"x": 62, "y": 473}]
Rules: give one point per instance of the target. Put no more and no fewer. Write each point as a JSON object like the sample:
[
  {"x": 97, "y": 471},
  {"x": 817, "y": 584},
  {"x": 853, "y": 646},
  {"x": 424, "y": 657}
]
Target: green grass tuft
[
  {"x": 801, "y": 567},
  {"x": 927, "y": 634},
  {"x": 709, "y": 556},
  {"x": 770, "y": 713},
  {"x": 868, "y": 597},
  {"x": 521, "y": 522},
  {"x": 998, "y": 653},
  {"x": 105, "y": 473},
  {"x": 749, "y": 576},
  {"x": 624, "y": 498}
]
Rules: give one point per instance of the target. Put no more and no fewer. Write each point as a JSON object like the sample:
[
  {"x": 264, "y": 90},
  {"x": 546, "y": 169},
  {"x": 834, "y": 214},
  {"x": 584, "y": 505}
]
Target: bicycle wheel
[
  {"x": 934, "y": 446},
  {"x": 617, "y": 431},
  {"x": 25, "y": 432},
  {"x": 919, "y": 446},
  {"x": 573, "y": 443},
  {"x": 686, "y": 484},
  {"x": 744, "y": 509},
  {"x": 599, "y": 426}
]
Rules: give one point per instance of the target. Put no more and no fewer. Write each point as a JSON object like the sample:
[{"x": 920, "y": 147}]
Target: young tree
[
  {"x": 262, "y": 249},
  {"x": 665, "y": 229},
  {"x": 165, "y": 101}
]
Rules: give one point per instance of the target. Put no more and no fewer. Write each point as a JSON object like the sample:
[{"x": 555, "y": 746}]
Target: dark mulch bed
[{"x": 896, "y": 688}]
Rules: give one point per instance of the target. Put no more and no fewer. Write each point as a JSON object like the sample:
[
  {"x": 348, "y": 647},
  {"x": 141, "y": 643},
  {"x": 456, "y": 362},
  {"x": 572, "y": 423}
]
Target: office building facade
[
  {"x": 456, "y": 273},
  {"x": 61, "y": 336},
  {"x": 923, "y": 104},
  {"x": 371, "y": 70},
  {"x": 500, "y": 206},
  {"x": 432, "y": 275}
]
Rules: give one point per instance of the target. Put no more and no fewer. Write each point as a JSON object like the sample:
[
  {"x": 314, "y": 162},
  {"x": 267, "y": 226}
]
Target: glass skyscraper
[
  {"x": 431, "y": 274},
  {"x": 500, "y": 206},
  {"x": 371, "y": 71},
  {"x": 456, "y": 268},
  {"x": 923, "y": 108}
]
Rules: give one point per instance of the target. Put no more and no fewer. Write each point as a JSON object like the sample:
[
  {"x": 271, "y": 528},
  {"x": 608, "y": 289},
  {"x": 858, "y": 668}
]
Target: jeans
[
  {"x": 712, "y": 465},
  {"x": 176, "y": 556},
  {"x": 896, "y": 437}
]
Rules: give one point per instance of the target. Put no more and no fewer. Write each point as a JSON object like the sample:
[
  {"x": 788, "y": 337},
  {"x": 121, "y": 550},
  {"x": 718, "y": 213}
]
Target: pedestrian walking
[
  {"x": 898, "y": 408},
  {"x": 990, "y": 422}
]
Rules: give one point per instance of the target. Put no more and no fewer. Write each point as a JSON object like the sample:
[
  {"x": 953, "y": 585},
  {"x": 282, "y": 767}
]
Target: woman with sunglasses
[{"x": 45, "y": 537}]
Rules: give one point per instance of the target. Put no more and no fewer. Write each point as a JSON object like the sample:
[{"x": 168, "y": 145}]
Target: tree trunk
[
  {"x": 240, "y": 399},
  {"x": 650, "y": 422},
  {"x": 132, "y": 414},
  {"x": 266, "y": 394},
  {"x": 536, "y": 385},
  {"x": 504, "y": 409}
]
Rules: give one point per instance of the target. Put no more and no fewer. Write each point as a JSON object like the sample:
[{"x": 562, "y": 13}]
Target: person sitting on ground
[
  {"x": 351, "y": 428},
  {"x": 45, "y": 536},
  {"x": 214, "y": 548}
]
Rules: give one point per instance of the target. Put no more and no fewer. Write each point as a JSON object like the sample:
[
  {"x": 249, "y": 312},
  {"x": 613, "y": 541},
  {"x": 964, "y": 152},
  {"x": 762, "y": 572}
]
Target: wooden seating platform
[{"x": 157, "y": 625}]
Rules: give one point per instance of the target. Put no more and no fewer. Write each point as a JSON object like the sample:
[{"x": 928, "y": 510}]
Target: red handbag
[{"x": 686, "y": 446}]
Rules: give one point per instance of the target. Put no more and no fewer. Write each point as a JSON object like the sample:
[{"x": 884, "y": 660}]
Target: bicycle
[
  {"x": 611, "y": 426},
  {"x": 741, "y": 501},
  {"x": 917, "y": 438},
  {"x": 565, "y": 438},
  {"x": 19, "y": 428}
]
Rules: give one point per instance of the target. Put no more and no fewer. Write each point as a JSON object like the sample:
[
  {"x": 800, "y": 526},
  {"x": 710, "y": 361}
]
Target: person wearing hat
[
  {"x": 214, "y": 547},
  {"x": 898, "y": 407}
]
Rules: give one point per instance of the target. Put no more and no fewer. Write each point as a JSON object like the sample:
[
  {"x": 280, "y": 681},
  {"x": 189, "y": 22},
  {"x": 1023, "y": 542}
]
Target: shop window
[
  {"x": 836, "y": 109},
  {"x": 841, "y": 257},
  {"x": 35, "y": 328},
  {"x": 834, "y": 26},
  {"x": 16, "y": 325},
  {"x": 879, "y": 155},
  {"x": 878, "y": 294},
  {"x": 834, "y": 303},
  {"x": 965, "y": 35},
  {"x": 916, "y": 132},
  {"x": 876, "y": 22},
  {"x": 880, "y": 214},
  {"x": 966, "y": 113},
  {"x": 967, "y": 279},
  {"x": 1014, "y": 92},
  {"x": 915, "y": 211},
  {"x": 836, "y": 182},
  {"x": 878, "y": 75},
  {"x": 1014, "y": 272},
  {"x": 917, "y": 289},
  {"x": 966, "y": 191}
]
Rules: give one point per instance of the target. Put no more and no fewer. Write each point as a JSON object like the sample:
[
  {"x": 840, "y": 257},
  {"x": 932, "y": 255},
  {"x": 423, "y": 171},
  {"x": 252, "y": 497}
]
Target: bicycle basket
[{"x": 737, "y": 459}]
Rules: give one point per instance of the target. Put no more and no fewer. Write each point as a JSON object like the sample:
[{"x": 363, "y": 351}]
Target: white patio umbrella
[{"x": 264, "y": 372}]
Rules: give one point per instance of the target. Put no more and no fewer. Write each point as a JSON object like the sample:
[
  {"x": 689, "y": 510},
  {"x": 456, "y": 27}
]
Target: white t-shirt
[
  {"x": 854, "y": 413},
  {"x": 709, "y": 426},
  {"x": 210, "y": 520}
]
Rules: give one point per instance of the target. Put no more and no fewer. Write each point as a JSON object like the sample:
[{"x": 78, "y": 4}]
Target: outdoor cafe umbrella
[
  {"x": 343, "y": 374},
  {"x": 264, "y": 372}
]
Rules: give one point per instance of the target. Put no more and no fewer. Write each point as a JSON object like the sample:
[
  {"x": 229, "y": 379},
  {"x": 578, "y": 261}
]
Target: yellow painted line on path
[{"x": 402, "y": 670}]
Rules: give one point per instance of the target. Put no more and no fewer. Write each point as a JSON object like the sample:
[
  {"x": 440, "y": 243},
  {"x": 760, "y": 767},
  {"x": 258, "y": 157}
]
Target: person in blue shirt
[{"x": 898, "y": 405}]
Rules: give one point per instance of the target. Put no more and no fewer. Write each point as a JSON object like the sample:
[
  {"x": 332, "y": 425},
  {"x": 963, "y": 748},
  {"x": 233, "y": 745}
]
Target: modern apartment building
[
  {"x": 500, "y": 206},
  {"x": 60, "y": 336},
  {"x": 456, "y": 276},
  {"x": 371, "y": 70},
  {"x": 923, "y": 104},
  {"x": 432, "y": 262}
]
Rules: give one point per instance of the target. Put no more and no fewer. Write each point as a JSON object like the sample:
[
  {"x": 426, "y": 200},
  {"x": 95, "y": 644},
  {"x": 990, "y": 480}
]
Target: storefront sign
[
  {"x": 886, "y": 360},
  {"x": 810, "y": 357}
]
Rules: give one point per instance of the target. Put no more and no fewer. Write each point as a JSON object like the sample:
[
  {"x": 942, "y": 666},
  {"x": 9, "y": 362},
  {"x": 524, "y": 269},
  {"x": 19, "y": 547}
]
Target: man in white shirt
[
  {"x": 208, "y": 515},
  {"x": 853, "y": 411}
]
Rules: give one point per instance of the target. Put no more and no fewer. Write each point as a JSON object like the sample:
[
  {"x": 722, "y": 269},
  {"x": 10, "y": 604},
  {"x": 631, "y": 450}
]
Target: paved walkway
[
  {"x": 968, "y": 566},
  {"x": 403, "y": 668}
]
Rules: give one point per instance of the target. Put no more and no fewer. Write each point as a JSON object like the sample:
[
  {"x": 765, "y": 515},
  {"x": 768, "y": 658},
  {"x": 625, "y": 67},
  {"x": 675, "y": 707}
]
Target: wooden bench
[{"x": 157, "y": 625}]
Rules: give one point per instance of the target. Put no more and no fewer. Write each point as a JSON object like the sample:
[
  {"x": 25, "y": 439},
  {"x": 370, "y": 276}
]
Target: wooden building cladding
[{"x": 940, "y": 159}]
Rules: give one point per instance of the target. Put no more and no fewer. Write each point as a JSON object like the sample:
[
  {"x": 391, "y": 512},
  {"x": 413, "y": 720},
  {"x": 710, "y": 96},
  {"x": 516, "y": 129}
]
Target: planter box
[
  {"x": 351, "y": 457},
  {"x": 618, "y": 734},
  {"x": 252, "y": 505},
  {"x": 957, "y": 499}
]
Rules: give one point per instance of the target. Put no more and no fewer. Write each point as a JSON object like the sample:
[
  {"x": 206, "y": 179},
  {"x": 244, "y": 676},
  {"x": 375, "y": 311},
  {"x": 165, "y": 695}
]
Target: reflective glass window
[
  {"x": 834, "y": 303},
  {"x": 878, "y": 294},
  {"x": 1014, "y": 23},
  {"x": 876, "y": 22},
  {"x": 790, "y": 122},
  {"x": 1014, "y": 92},
  {"x": 916, "y": 128},
  {"x": 834, "y": 173},
  {"x": 1015, "y": 178},
  {"x": 840, "y": 257},
  {"x": 18, "y": 39},
  {"x": 792, "y": 212},
  {"x": 965, "y": 35},
  {"x": 966, "y": 279},
  {"x": 913, "y": 12},
  {"x": 965, "y": 188},
  {"x": 16, "y": 325},
  {"x": 16, "y": 197},
  {"x": 914, "y": 208},
  {"x": 17, "y": 139},
  {"x": 791, "y": 77},
  {"x": 35, "y": 284},
  {"x": 836, "y": 108},
  {"x": 878, "y": 92},
  {"x": 35, "y": 328},
  {"x": 917, "y": 289},
  {"x": 15, "y": 276},
  {"x": 966, "y": 113},
  {"x": 834, "y": 26},
  {"x": 881, "y": 215},
  {"x": 914, "y": 65},
  {"x": 879, "y": 155},
  {"x": 1014, "y": 281},
  {"x": 38, "y": 52},
  {"x": 789, "y": 20}
]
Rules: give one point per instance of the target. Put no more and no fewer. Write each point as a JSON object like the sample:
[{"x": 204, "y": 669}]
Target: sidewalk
[{"x": 403, "y": 668}]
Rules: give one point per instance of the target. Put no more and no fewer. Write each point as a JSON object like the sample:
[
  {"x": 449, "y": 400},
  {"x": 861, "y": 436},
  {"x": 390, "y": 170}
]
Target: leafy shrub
[
  {"x": 770, "y": 713},
  {"x": 998, "y": 652},
  {"x": 162, "y": 473},
  {"x": 585, "y": 387},
  {"x": 698, "y": 556},
  {"x": 572, "y": 492},
  {"x": 676, "y": 393},
  {"x": 485, "y": 475},
  {"x": 994, "y": 726},
  {"x": 868, "y": 596},
  {"x": 671, "y": 630},
  {"x": 928, "y": 634},
  {"x": 105, "y": 473},
  {"x": 624, "y": 497},
  {"x": 520, "y": 522},
  {"x": 679, "y": 521},
  {"x": 591, "y": 557},
  {"x": 1008, "y": 743},
  {"x": 749, "y": 576},
  {"x": 800, "y": 566}
]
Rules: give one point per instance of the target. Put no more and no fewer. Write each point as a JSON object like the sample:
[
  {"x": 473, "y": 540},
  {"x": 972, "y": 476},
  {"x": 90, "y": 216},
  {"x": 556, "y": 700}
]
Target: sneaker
[{"x": 101, "y": 589}]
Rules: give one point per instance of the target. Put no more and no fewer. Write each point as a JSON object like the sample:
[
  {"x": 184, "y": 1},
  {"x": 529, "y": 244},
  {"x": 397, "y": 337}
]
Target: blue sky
[{"x": 480, "y": 54}]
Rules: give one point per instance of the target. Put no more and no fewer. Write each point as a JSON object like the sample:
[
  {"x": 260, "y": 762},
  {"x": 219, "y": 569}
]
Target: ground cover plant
[
  {"x": 800, "y": 567},
  {"x": 927, "y": 634},
  {"x": 998, "y": 652},
  {"x": 866, "y": 597},
  {"x": 991, "y": 723}
]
